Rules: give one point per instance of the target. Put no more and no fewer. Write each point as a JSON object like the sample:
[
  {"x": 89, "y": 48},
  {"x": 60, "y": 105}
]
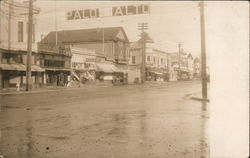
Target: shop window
[
  {"x": 11, "y": 58},
  {"x": 20, "y": 31},
  {"x": 148, "y": 58},
  {"x": 53, "y": 63},
  {"x": 133, "y": 59}
]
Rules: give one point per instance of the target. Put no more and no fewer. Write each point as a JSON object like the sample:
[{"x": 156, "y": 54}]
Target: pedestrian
[
  {"x": 61, "y": 79},
  {"x": 65, "y": 80},
  {"x": 57, "y": 77}
]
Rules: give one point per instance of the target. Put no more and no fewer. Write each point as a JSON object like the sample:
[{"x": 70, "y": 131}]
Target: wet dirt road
[{"x": 134, "y": 121}]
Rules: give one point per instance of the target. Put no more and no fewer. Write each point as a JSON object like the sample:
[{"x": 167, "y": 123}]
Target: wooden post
[
  {"x": 29, "y": 51},
  {"x": 203, "y": 52}
]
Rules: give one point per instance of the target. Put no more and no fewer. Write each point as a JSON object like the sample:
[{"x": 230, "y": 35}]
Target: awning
[
  {"x": 57, "y": 69},
  {"x": 20, "y": 67},
  {"x": 16, "y": 67},
  {"x": 37, "y": 68},
  {"x": 107, "y": 67},
  {"x": 157, "y": 73}
]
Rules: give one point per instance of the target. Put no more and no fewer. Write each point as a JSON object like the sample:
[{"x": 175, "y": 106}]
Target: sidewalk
[{"x": 13, "y": 91}]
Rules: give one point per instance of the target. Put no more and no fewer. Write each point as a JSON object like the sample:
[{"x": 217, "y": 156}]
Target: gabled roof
[
  {"x": 147, "y": 38},
  {"x": 190, "y": 56},
  {"x": 196, "y": 60},
  {"x": 86, "y": 35}
]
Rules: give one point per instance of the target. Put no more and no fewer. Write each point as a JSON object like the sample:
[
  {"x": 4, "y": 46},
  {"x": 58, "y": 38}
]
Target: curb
[
  {"x": 47, "y": 90},
  {"x": 21, "y": 93},
  {"x": 200, "y": 99}
]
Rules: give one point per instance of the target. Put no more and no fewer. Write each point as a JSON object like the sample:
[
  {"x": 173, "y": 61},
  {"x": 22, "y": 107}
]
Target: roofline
[{"x": 86, "y": 29}]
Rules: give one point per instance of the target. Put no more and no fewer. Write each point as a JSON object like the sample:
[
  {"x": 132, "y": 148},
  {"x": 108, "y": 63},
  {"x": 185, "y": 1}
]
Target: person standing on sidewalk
[
  {"x": 61, "y": 79},
  {"x": 65, "y": 80}
]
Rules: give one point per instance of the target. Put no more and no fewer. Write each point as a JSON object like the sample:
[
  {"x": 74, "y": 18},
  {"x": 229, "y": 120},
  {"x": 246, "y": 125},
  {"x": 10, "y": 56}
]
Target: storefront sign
[
  {"x": 105, "y": 12},
  {"x": 107, "y": 78}
]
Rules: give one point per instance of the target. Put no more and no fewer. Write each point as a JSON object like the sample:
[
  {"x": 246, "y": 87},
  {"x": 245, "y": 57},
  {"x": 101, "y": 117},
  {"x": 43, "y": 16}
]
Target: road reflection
[{"x": 119, "y": 124}]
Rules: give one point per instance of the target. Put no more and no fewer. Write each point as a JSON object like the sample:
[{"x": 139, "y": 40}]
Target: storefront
[
  {"x": 57, "y": 76},
  {"x": 156, "y": 74},
  {"x": 83, "y": 65},
  {"x": 110, "y": 73},
  {"x": 14, "y": 75},
  {"x": 55, "y": 59}
]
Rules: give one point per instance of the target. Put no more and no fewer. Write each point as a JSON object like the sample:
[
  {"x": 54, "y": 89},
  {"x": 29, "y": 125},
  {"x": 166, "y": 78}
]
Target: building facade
[
  {"x": 56, "y": 61},
  {"x": 13, "y": 45},
  {"x": 156, "y": 61},
  {"x": 156, "y": 64},
  {"x": 104, "y": 51},
  {"x": 182, "y": 64},
  {"x": 135, "y": 60}
]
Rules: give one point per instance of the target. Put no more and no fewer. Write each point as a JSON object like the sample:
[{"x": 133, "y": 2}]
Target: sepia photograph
[{"x": 124, "y": 79}]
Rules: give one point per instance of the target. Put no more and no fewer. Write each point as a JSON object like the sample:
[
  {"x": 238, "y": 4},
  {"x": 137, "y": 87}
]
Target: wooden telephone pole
[
  {"x": 143, "y": 27},
  {"x": 29, "y": 46},
  {"x": 179, "y": 60},
  {"x": 203, "y": 51}
]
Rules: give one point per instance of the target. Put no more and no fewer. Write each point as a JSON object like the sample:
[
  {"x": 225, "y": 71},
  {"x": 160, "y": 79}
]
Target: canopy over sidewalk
[
  {"x": 20, "y": 67},
  {"x": 106, "y": 67}
]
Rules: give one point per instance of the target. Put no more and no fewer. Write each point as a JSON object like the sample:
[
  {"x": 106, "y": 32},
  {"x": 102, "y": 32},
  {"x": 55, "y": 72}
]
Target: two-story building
[
  {"x": 156, "y": 64},
  {"x": 156, "y": 61},
  {"x": 104, "y": 48},
  {"x": 83, "y": 63},
  {"x": 182, "y": 64},
  {"x": 56, "y": 61},
  {"x": 13, "y": 44},
  {"x": 135, "y": 61}
]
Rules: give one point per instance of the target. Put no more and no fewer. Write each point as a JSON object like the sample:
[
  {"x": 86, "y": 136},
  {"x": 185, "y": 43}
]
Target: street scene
[
  {"x": 153, "y": 120},
  {"x": 109, "y": 80}
]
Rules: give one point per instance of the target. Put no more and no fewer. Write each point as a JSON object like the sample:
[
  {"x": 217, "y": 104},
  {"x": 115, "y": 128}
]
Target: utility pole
[
  {"x": 103, "y": 39},
  {"x": 56, "y": 20},
  {"x": 9, "y": 23},
  {"x": 203, "y": 51},
  {"x": 29, "y": 51},
  {"x": 179, "y": 60},
  {"x": 142, "y": 27}
]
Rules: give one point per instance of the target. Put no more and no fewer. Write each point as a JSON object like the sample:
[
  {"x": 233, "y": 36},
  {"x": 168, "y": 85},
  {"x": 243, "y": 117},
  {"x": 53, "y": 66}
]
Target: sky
[{"x": 168, "y": 22}]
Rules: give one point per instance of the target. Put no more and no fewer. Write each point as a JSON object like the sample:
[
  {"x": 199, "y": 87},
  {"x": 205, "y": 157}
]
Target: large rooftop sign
[{"x": 107, "y": 12}]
